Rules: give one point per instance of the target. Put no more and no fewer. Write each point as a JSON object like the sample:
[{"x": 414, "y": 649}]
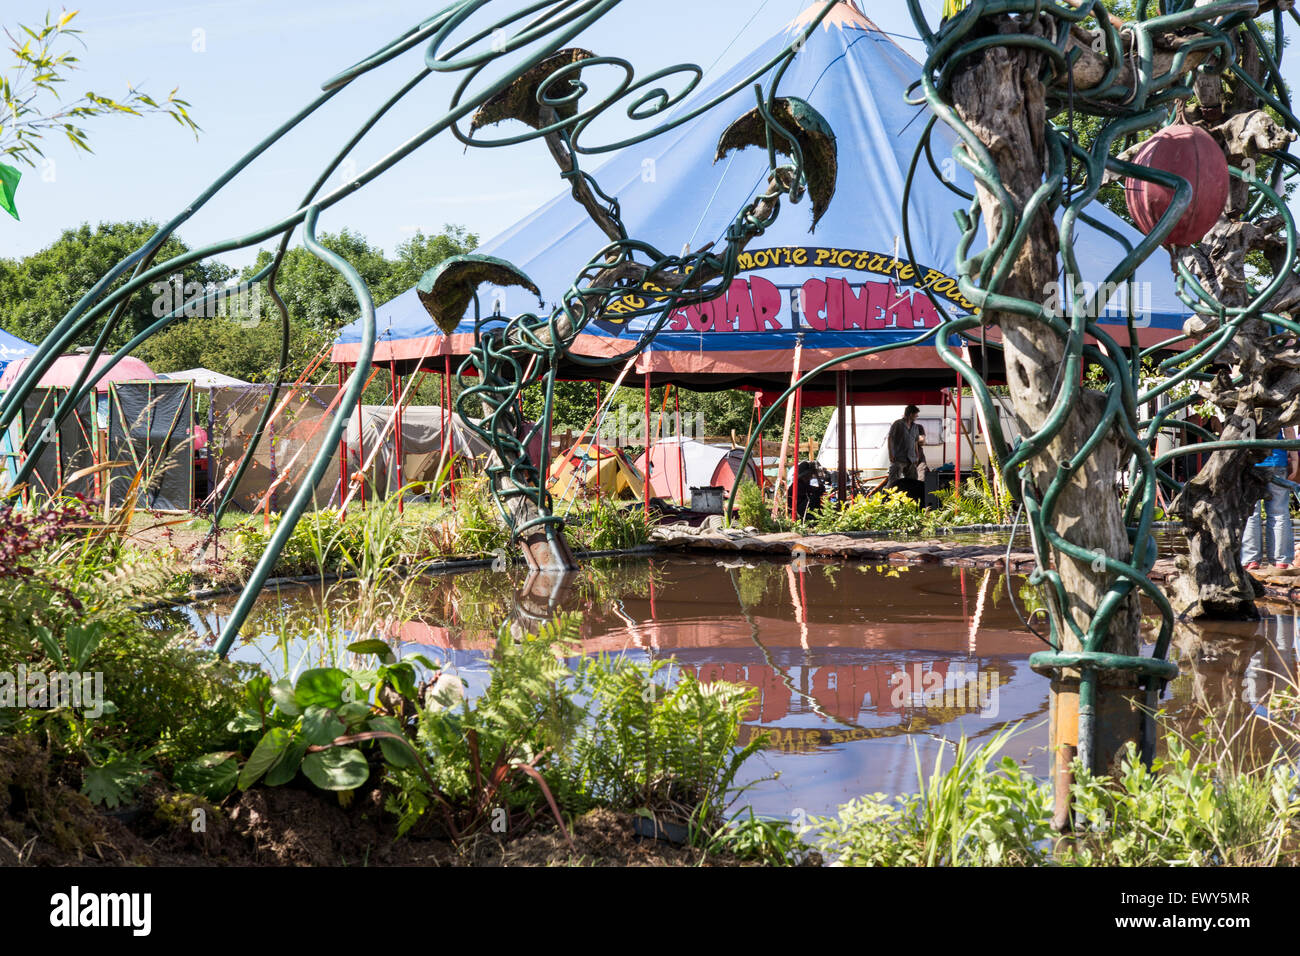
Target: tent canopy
[
  {"x": 422, "y": 442},
  {"x": 591, "y": 470},
  {"x": 13, "y": 348},
  {"x": 206, "y": 378},
  {"x": 65, "y": 369},
  {"x": 846, "y": 287}
]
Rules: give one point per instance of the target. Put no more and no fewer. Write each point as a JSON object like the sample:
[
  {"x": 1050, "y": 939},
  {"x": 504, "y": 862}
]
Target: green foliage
[
  {"x": 967, "y": 815},
  {"x": 770, "y": 842},
  {"x": 148, "y": 699},
  {"x": 1182, "y": 811},
  {"x": 752, "y": 508},
  {"x": 480, "y": 529},
  {"x": 672, "y": 749},
  {"x": 30, "y": 102},
  {"x": 36, "y": 291},
  {"x": 606, "y": 526},
  {"x": 887, "y": 510},
  {"x": 329, "y": 726},
  {"x": 978, "y": 504}
]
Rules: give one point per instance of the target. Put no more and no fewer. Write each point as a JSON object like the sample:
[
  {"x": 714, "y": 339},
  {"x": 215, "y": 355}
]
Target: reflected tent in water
[{"x": 841, "y": 701}]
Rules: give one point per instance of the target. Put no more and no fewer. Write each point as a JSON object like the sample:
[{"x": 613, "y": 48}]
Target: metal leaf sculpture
[
  {"x": 447, "y": 289},
  {"x": 819, "y": 153},
  {"x": 519, "y": 101}
]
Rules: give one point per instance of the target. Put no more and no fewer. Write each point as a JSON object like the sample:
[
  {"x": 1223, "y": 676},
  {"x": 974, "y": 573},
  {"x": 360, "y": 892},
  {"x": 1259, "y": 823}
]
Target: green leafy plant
[
  {"x": 752, "y": 508},
  {"x": 887, "y": 510}
]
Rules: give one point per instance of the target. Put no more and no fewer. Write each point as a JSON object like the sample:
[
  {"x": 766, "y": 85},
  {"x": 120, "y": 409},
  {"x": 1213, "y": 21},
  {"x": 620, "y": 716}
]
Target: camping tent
[
  {"x": 675, "y": 465},
  {"x": 595, "y": 471},
  {"x": 422, "y": 442},
  {"x": 206, "y": 378},
  {"x": 64, "y": 370},
  {"x": 13, "y": 348}
]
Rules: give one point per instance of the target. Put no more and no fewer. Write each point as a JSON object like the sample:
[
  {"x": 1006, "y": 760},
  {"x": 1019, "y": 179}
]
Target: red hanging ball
[{"x": 1193, "y": 154}]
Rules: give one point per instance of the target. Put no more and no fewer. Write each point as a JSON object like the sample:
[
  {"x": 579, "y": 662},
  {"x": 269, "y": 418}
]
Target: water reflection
[{"x": 852, "y": 664}]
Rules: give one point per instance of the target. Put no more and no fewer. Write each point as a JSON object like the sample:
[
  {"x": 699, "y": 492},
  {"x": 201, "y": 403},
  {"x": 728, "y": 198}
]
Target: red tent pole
[
  {"x": 645, "y": 496},
  {"x": 397, "y": 439},
  {"x": 361, "y": 457},
  {"x": 681, "y": 456},
  {"x": 449, "y": 448},
  {"x": 957, "y": 476},
  {"x": 343, "y": 453}
]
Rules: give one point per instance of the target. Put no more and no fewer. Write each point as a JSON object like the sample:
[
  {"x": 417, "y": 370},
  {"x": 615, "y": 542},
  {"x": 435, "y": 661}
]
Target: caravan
[{"x": 866, "y": 436}]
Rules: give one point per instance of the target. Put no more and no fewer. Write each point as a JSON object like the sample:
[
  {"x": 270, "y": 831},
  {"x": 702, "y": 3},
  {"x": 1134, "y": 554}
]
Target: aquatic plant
[
  {"x": 1185, "y": 810},
  {"x": 605, "y": 526}
]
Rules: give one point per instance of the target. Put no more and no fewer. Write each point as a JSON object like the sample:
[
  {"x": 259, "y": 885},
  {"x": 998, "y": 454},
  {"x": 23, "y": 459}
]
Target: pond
[{"x": 861, "y": 670}]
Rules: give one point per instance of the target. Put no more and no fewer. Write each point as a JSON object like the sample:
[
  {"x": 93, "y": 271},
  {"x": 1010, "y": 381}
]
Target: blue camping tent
[
  {"x": 12, "y": 347},
  {"x": 845, "y": 287}
]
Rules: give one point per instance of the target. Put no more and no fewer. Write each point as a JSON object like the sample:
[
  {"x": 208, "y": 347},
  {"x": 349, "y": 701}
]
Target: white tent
[
  {"x": 206, "y": 378},
  {"x": 422, "y": 441}
]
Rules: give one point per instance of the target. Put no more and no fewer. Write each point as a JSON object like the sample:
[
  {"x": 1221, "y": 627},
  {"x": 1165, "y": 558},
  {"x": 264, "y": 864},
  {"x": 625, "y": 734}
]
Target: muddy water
[{"x": 860, "y": 670}]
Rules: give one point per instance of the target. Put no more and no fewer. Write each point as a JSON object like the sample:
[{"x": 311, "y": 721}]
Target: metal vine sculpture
[
  {"x": 1058, "y": 60},
  {"x": 546, "y": 87},
  {"x": 1094, "y": 553}
]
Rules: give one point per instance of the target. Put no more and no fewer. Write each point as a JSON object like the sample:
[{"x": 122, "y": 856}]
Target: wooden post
[
  {"x": 841, "y": 417},
  {"x": 794, "y": 473},
  {"x": 395, "y": 391},
  {"x": 785, "y": 429}
]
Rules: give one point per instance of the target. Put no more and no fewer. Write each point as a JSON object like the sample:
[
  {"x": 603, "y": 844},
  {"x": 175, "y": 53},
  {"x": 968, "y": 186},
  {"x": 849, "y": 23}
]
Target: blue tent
[
  {"x": 12, "y": 347},
  {"x": 844, "y": 287}
]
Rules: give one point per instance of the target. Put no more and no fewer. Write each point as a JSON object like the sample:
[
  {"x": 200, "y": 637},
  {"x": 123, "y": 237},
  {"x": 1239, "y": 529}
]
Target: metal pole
[
  {"x": 343, "y": 454},
  {"x": 645, "y": 497},
  {"x": 957, "y": 475},
  {"x": 361, "y": 455},
  {"x": 681, "y": 457}
]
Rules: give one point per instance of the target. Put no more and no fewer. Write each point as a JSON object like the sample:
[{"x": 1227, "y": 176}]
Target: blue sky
[{"x": 246, "y": 65}]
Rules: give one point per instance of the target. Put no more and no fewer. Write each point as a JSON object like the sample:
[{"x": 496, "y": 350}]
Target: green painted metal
[{"x": 486, "y": 55}]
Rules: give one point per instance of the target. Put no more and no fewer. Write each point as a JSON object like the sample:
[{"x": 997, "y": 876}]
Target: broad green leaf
[
  {"x": 395, "y": 752},
  {"x": 339, "y": 768},
  {"x": 320, "y": 725},
  {"x": 265, "y": 755},
  {"x": 212, "y": 775},
  {"x": 287, "y": 768},
  {"x": 283, "y": 694},
  {"x": 50, "y": 645},
  {"x": 321, "y": 685},
  {"x": 380, "y": 649},
  {"x": 81, "y": 642}
]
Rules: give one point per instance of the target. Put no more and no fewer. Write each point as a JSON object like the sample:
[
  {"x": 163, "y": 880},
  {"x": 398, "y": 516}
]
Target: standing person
[
  {"x": 1277, "y": 508},
  {"x": 905, "y": 452}
]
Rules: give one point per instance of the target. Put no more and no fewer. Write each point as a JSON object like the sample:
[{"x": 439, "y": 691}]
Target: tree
[
  {"x": 245, "y": 341},
  {"x": 31, "y": 108},
  {"x": 36, "y": 291}
]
